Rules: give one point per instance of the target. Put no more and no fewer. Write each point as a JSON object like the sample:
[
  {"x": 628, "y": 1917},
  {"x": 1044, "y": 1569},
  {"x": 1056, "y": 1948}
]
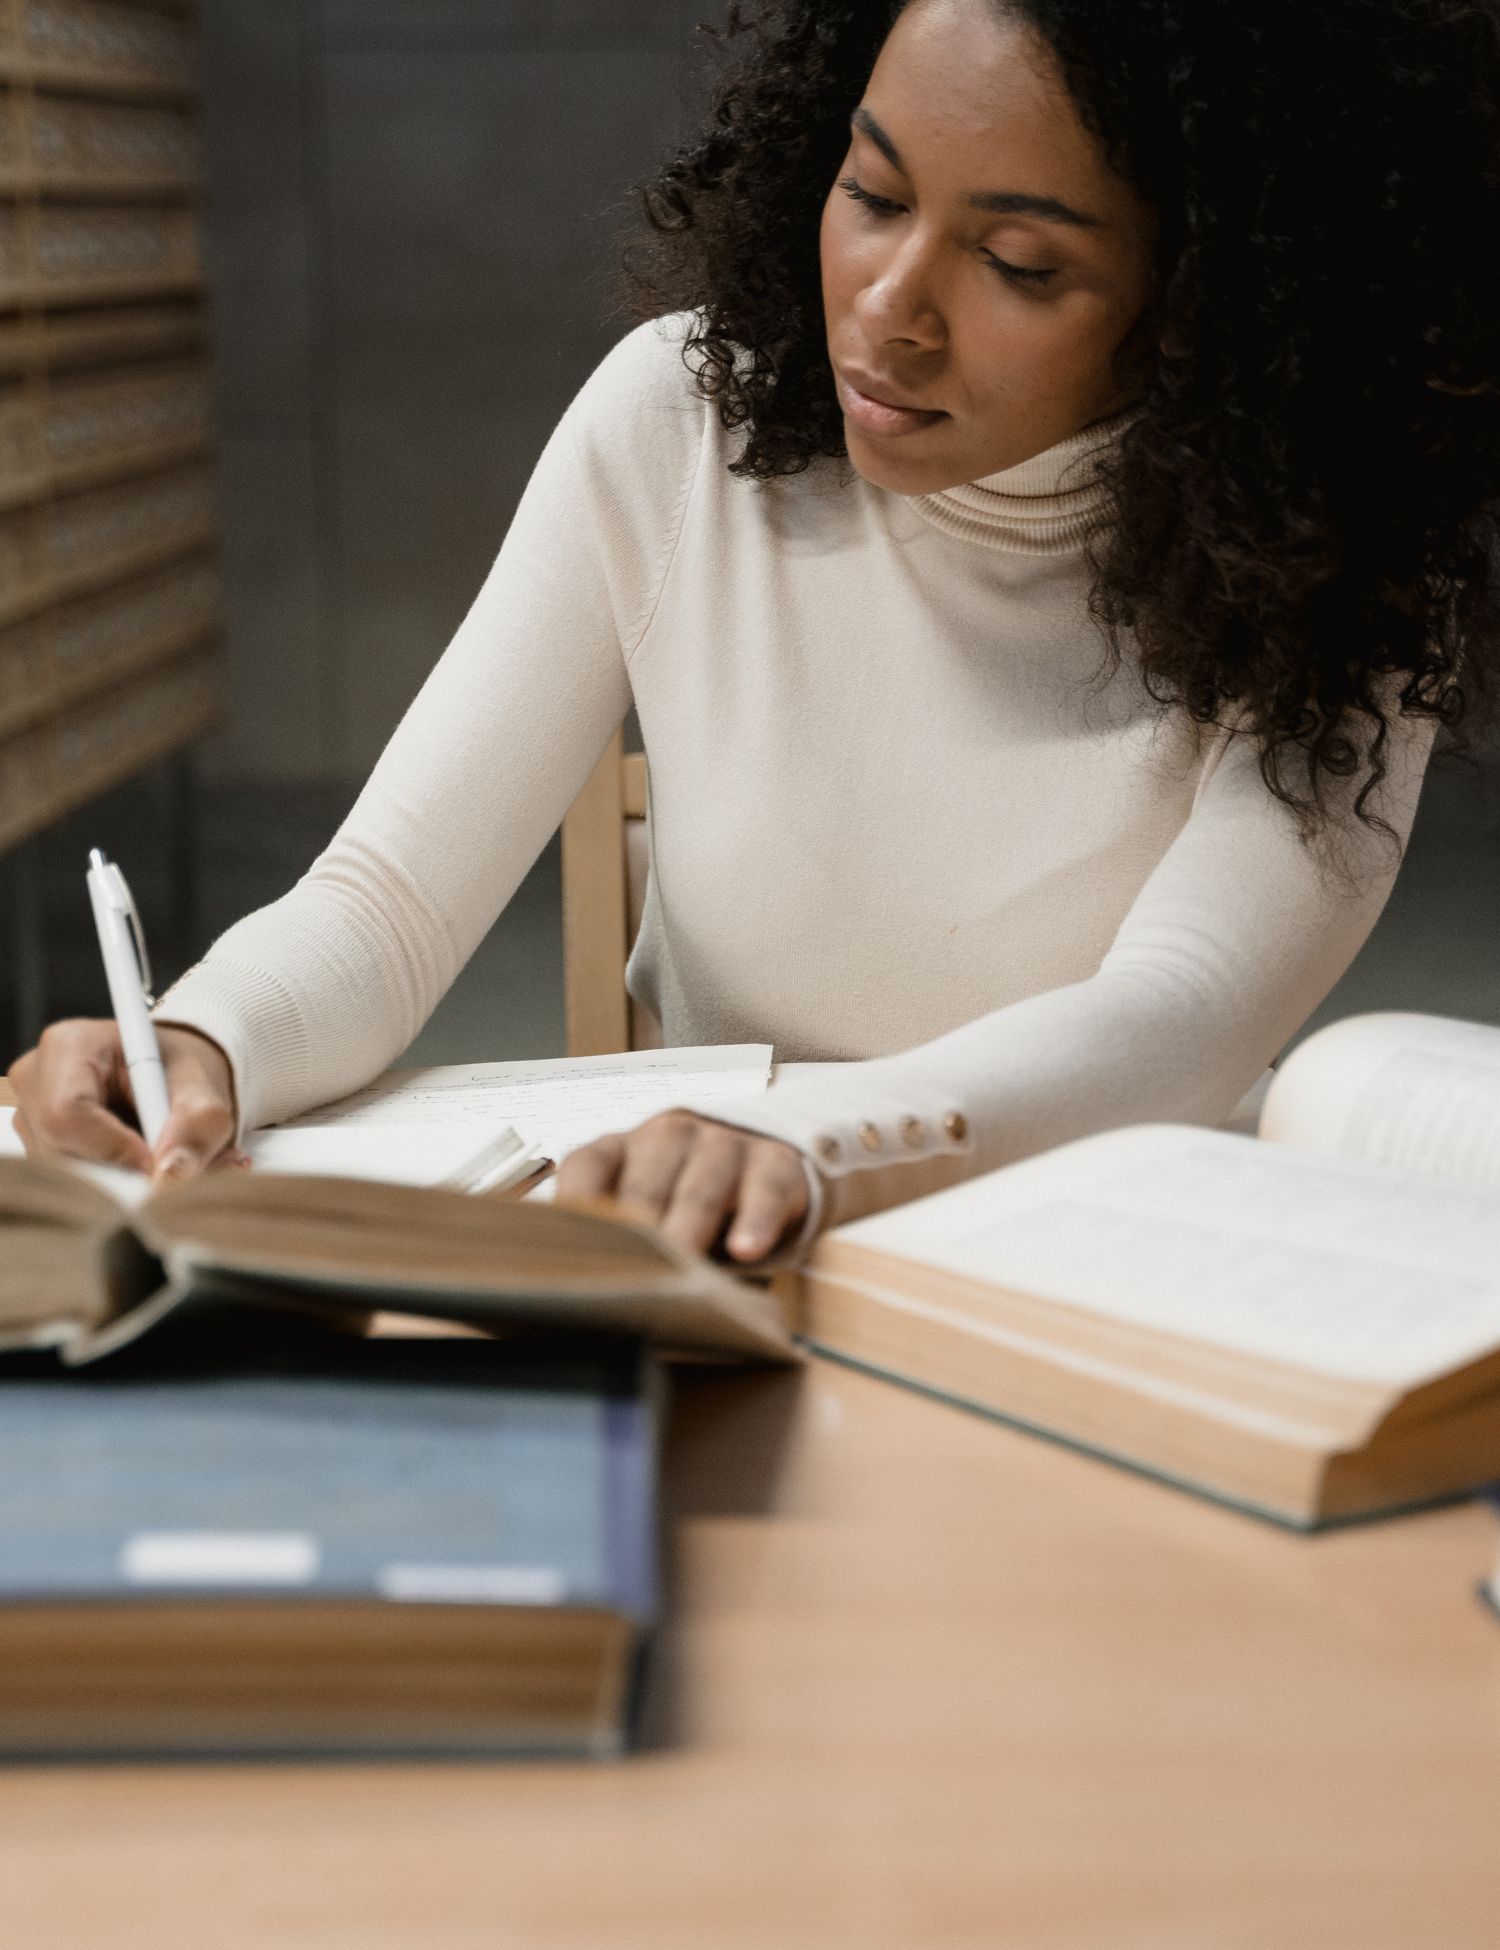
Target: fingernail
[
  {"x": 176, "y": 1164},
  {"x": 748, "y": 1241}
]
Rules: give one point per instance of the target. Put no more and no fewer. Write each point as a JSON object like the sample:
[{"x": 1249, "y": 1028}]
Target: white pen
[{"x": 128, "y": 971}]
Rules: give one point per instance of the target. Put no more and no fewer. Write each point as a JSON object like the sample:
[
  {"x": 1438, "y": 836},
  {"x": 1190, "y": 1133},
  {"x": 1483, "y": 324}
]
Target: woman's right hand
[{"x": 73, "y": 1093}]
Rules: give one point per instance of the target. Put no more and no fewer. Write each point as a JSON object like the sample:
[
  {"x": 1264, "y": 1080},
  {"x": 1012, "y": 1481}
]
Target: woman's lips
[{"x": 870, "y": 416}]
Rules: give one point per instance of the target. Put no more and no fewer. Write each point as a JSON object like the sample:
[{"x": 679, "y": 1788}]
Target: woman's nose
[{"x": 901, "y": 301}]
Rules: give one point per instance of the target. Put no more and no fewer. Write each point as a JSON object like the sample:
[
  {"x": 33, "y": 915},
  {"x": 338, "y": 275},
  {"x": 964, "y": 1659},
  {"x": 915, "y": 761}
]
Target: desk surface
[{"x": 929, "y": 1681}]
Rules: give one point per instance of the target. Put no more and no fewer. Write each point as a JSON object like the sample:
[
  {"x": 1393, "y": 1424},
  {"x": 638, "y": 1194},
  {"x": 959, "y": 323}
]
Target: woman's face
[{"x": 980, "y": 259}]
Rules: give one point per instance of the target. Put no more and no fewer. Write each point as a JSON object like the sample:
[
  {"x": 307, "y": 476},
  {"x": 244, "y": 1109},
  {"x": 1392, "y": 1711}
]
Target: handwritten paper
[{"x": 560, "y": 1103}]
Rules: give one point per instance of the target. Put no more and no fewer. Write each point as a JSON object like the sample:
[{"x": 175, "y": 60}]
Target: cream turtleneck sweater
[{"x": 893, "y": 821}]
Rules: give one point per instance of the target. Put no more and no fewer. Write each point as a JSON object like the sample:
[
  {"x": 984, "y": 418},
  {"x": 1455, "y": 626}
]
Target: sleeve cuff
[
  {"x": 864, "y": 1145},
  {"x": 255, "y": 1025}
]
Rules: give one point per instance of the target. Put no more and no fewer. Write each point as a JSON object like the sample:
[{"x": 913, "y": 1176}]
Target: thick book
[
  {"x": 1305, "y": 1323},
  {"x": 326, "y": 1546},
  {"x": 85, "y": 1272}
]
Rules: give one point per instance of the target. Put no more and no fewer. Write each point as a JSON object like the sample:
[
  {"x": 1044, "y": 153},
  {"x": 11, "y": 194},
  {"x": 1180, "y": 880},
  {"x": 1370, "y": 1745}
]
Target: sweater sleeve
[
  {"x": 1236, "y": 937},
  {"x": 315, "y": 994}
]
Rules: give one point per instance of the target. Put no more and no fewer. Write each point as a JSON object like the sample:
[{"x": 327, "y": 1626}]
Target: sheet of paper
[
  {"x": 558, "y": 1103},
  {"x": 1342, "y": 1268},
  {"x": 10, "y": 1145}
]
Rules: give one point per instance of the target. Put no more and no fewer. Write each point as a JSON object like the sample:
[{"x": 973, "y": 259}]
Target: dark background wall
[{"x": 412, "y": 239}]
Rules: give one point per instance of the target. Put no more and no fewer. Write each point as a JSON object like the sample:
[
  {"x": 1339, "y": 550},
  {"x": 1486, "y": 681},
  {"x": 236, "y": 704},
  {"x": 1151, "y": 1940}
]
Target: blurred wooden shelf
[
  {"x": 62, "y": 341},
  {"x": 75, "y": 254},
  {"x": 61, "y": 434},
  {"x": 70, "y": 650},
  {"x": 110, "y": 607},
  {"x": 121, "y": 52},
  {"x": 58, "y": 146},
  {"x": 83, "y": 750},
  {"x": 82, "y": 542}
]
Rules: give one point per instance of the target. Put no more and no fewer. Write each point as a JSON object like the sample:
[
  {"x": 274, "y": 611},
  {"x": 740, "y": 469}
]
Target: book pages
[
  {"x": 1420, "y": 1093},
  {"x": 1344, "y": 1269}
]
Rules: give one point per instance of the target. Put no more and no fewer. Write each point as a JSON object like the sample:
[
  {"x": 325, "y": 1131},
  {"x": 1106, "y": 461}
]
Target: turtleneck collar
[{"x": 1043, "y": 506}]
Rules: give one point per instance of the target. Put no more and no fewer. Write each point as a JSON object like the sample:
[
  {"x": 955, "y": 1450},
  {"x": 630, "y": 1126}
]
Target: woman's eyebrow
[{"x": 1003, "y": 203}]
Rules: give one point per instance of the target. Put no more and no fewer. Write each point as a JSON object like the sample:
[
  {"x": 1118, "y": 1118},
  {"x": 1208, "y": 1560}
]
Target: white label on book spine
[
  {"x": 220, "y": 1557},
  {"x": 473, "y": 1584}
]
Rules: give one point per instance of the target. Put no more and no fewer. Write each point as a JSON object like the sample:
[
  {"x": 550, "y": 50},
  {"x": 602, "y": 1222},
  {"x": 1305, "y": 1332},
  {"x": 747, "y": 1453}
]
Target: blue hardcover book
[{"x": 321, "y": 1545}]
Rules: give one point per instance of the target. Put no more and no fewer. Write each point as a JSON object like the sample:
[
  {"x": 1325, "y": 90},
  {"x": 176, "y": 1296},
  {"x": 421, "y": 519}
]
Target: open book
[
  {"x": 86, "y": 1273},
  {"x": 1306, "y": 1323}
]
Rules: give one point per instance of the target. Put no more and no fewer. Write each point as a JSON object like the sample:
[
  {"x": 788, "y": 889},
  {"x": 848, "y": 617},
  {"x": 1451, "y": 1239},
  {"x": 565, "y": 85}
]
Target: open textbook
[
  {"x": 84, "y": 1273},
  {"x": 1306, "y": 1323}
]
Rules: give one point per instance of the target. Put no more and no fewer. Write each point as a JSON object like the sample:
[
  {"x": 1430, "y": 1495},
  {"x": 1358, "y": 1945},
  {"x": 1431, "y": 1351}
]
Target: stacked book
[{"x": 304, "y": 1543}]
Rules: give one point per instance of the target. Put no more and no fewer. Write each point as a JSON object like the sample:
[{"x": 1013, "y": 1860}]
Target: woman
[{"x": 1040, "y": 574}]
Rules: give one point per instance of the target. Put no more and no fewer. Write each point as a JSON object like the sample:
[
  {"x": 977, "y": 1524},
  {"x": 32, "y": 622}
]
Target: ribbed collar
[{"x": 1043, "y": 506}]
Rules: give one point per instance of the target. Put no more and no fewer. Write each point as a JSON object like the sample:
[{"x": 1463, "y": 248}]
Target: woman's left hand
[{"x": 692, "y": 1175}]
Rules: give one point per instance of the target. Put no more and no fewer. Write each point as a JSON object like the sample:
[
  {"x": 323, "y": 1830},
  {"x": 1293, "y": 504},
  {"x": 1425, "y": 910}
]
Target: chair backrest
[{"x": 604, "y": 861}]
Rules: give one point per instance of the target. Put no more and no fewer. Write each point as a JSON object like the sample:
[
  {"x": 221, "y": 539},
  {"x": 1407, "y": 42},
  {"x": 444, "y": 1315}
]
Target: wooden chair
[{"x": 604, "y": 863}]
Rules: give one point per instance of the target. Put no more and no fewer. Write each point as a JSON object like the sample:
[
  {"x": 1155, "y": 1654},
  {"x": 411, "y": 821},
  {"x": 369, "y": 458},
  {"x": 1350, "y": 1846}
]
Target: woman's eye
[
  {"x": 1018, "y": 273},
  {"x": 882, "y": 206}
]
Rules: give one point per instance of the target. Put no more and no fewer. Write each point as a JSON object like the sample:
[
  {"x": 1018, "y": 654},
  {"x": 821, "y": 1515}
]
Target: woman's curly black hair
[{"x": 1305, "y": 515}]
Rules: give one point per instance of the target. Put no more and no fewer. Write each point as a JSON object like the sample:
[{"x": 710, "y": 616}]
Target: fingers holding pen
[
  {"x": 74, "y": 1098},
  {"x": 199, "y": 1131},
  {"x": 200, "y": 1127}
]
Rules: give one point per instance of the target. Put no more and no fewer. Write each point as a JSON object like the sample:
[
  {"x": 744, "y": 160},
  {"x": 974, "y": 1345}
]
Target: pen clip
[{"x": 123, "y": 901}]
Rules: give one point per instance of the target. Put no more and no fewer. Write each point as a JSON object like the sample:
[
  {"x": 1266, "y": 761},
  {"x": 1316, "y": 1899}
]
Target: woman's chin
[{"x": 883, "y": 464}]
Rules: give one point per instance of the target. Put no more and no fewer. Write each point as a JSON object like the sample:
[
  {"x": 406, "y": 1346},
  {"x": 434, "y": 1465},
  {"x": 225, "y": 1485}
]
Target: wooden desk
[{"x": 929, "y": 1682}]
